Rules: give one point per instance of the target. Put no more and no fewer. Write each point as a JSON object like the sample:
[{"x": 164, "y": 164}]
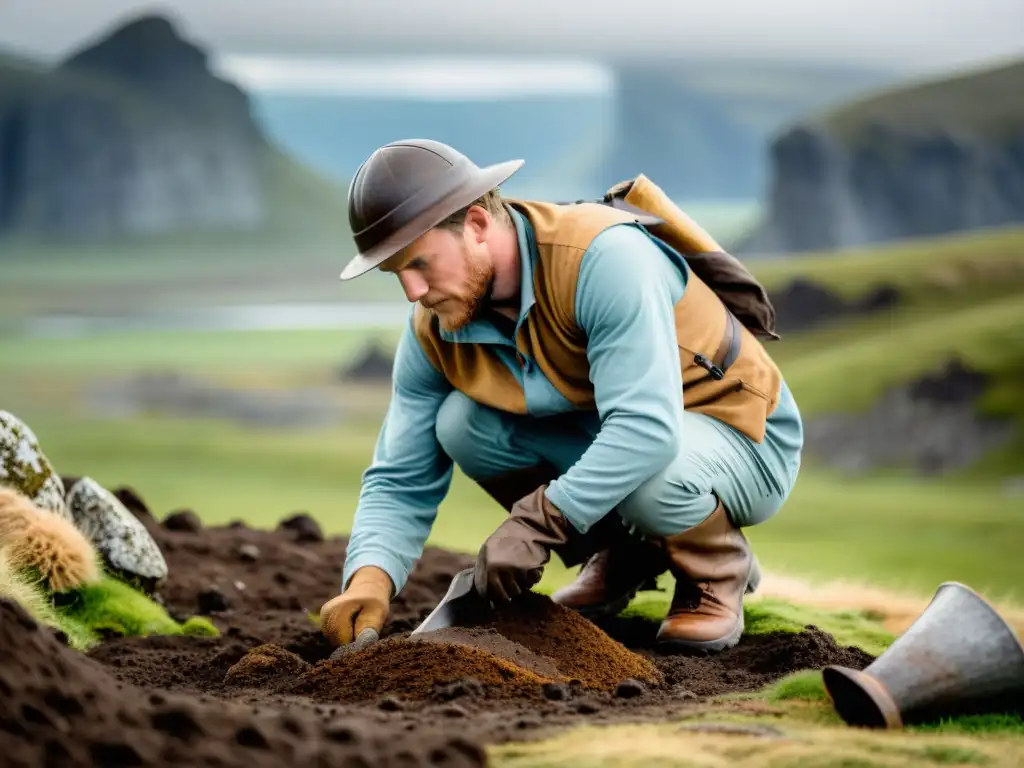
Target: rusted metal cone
[{"x": 958, "y": 657}]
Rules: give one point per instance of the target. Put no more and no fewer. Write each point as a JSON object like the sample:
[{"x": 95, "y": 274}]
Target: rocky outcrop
[
  {"x": 868, "y": 177},
  {"x": 930, "y": 425},
  {"x": 132, "y": 135}
]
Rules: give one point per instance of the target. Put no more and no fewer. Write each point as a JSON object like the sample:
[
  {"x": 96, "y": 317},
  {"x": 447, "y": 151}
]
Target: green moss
[
  {"x": 199, "y": 626},
  {"x": 111, "y": 606}
]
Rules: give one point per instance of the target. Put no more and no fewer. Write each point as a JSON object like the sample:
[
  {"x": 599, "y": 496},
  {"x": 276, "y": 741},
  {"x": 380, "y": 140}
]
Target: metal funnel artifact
[{"x": 958, "y": 657}]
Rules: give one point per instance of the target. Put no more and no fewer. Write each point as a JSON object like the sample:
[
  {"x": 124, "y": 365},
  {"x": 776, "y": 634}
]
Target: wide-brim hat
[{"x": 407, "y": 187}]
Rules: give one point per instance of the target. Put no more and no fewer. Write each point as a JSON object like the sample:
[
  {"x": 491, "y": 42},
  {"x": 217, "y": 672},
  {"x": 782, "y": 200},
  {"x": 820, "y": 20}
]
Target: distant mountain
[
  {"x": 564, "y": 140},
  {"x": 134, "y": 136},
  {"x": 699, "y": 129},
  {"x": 925, "y": 159}
]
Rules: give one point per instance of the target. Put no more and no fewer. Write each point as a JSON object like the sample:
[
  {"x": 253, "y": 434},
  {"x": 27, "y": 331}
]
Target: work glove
[
  {"x": 363, "y": 605},
  {"x": 512, "y": 559}
]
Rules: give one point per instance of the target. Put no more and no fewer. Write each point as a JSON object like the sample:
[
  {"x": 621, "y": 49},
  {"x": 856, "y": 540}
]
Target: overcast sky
[{"x": 913, "y": 36}]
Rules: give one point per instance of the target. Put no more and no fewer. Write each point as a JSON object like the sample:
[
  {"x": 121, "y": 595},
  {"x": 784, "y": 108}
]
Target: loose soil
[{"x": 266, "y": 692}]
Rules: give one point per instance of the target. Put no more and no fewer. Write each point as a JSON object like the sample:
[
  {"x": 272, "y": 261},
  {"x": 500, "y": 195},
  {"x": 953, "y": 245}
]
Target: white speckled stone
[
  {"x": 116, "y": 533},
  {"x": 25, "y": 468}
]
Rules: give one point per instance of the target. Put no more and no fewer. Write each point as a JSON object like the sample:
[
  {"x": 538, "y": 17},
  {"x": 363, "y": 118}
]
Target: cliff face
[
  {"x": 133, "y": 135},
  {"x": 933, "y": 165}
]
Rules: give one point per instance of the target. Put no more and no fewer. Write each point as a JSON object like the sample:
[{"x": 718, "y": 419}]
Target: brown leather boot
[
  {"x": 714, "y": 567},
  {"x": 610, "y": 579}
]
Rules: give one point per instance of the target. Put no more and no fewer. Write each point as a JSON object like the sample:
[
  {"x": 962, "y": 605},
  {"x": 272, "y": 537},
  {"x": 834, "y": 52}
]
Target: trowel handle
[{"x": 366, "y": 638}]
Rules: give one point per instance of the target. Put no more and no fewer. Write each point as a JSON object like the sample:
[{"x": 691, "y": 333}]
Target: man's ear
[{"x": 478, "y": 224}]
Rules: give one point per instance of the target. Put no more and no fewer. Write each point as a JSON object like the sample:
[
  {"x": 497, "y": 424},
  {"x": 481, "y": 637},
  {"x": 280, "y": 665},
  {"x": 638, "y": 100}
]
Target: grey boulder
[
  {"x": 116, "y": 533},
  {"x": 25, "y": 468}
]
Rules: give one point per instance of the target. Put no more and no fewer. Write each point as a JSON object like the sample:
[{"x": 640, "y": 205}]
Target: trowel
[{"x": 460, "y": 605}]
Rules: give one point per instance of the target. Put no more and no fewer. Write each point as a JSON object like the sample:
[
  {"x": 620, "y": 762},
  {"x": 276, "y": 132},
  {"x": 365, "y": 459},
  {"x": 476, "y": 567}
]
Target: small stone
[
  {"x": 249, "y": 553},
  {"x": 305, "y": 527},
  {"x": 240, "y": 586},
  {"x": 555, "y": 692},
  {"x": 117, "y": 534},
  {"x": 184, "y": 520},
  {"x": 391, "y": 704},
  {"x": 630, "y": 689},
  {"x": 212, "y": 601},
  {"x": 25, "y": 468},
  {"x": 454, "y": 711},
  {"x": 467, "y": 686},
  {"x": 682, "y": 693},
  {"x": 586, "y": 707}
]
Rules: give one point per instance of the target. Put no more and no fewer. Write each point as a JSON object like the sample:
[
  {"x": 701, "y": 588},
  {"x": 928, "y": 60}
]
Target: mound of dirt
[
  {"x": 264, "y": 666},
  {"x": 489, "y": 640},
  {"x": 59, "y": 708},
  {"x": 520, "y": 648},
  {"x": 579, "y": 649},
  {"x": 415, "y": 670}
]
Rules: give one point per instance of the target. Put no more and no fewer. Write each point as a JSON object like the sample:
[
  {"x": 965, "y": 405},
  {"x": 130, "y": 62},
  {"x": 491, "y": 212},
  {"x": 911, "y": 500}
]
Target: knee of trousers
[
  {"x": 666, "y": 504},
  {"x": 473, "y": 435}
]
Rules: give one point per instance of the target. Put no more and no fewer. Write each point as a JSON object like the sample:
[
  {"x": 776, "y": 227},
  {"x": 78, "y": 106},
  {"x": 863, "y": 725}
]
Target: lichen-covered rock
[
  {"x": 116, "y": 533},
  {"x": 25, "y": 468}
]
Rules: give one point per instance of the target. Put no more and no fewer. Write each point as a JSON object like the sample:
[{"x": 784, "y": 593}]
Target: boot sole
[{"x": 676, "y": 645}]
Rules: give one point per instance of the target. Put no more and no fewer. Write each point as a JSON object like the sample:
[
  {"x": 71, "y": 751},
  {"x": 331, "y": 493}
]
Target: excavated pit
[{"x": 266, "y": 692}]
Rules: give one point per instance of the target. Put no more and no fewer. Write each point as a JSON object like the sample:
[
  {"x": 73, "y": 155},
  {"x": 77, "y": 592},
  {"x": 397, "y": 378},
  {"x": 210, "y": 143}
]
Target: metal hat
[{"x": 407, "y": 187}]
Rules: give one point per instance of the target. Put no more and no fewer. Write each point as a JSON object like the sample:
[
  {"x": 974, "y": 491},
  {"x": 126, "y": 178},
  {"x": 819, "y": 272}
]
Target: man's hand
[
  {"x": 364, "y": 604},
  {"x": 512, "y": 559}
]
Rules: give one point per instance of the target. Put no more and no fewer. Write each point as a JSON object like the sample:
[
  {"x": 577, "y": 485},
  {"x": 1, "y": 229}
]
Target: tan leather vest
[{"x": 726, "y": 371}]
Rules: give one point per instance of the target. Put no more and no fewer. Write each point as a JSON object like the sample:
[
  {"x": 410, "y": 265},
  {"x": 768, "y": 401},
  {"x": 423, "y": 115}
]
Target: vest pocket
[{"x": 732, "y": 379}]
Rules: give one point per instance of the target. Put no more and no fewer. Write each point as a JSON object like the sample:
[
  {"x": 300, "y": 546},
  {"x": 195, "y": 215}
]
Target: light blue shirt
[{"x": 628, "y": 285}]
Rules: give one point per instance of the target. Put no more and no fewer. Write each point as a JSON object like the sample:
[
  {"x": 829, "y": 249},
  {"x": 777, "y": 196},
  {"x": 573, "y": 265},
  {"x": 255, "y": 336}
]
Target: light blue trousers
[{"x": 753, "y": 480}]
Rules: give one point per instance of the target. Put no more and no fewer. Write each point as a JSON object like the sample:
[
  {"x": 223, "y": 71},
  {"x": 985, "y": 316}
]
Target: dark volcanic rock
[
  {"x": 929, "y": 425},
  {"x": 803, "y": 304},
  {"x": 131, "y": 135}
]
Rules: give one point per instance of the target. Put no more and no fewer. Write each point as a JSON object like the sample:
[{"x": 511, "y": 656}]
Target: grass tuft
[
  {"x": 1012, "y": 724},
  {"x": 805, "y": 685}
]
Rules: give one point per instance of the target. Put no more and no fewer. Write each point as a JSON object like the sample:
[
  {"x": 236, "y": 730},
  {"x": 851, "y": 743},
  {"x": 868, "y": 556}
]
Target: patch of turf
[
  {"x": 766, "y": 615},
  {"x": 856, "y": 628}
]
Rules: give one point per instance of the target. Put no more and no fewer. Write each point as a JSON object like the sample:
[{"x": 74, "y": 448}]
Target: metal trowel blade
[{"x": 459, "y": 605}]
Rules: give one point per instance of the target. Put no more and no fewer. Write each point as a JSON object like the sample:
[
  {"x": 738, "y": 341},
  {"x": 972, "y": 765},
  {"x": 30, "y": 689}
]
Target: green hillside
[{"x": 985, "y": 102}]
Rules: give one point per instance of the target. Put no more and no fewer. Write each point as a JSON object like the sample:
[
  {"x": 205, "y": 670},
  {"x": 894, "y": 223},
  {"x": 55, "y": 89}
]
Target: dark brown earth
[{"x": 266, "y": 693}]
